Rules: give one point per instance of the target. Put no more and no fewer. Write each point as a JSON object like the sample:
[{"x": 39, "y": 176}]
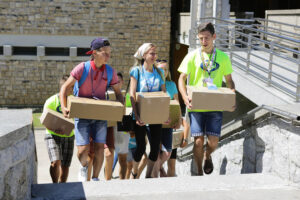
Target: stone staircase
[{"x": 214, "y": 187}]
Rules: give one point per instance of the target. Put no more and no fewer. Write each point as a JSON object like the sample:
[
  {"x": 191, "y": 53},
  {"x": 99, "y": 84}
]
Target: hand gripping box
[
  {"x": 175, "y": 114},
  {"x": 112, "y": 96},
  {"x": 205, "y": 99},
  {"x": 86, "y": 108},
  {"x": 53, "y": 120},
  {"x": 153, "y": 107}
]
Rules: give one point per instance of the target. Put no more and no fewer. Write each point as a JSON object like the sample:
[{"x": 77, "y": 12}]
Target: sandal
[
  {"x": 134, "y": 175},
  {"x": 208, "y": 166}
]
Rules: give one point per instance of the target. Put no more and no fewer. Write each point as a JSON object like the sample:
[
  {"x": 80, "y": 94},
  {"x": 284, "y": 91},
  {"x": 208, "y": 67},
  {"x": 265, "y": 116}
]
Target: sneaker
[
  {"x": 82, "y": 175},
  {"x": 95, "y": 179}
]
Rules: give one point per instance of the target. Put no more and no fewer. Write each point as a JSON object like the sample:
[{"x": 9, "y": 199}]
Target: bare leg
[
  {"x": 109, "y": 161},
  {"x": 212, "y": 144},
  {"x": 171, "y": 167},
  {"x": 150, "y": 166},
  {"x": 64, "y": 173},
  {"x": 55, "y": 170},
  {"x": 135, "y": 170},
  {"x": 98, "y": 159},
  {"x": 123, "y": 165},
  {"x": 90, "y": 166},
  {"x": 129, "y": 168},
  {"x": 82, "y": 154},
  {"x": 164, "y": 156},
  {"x": 198, "y": 153},
  {"x": 142, "y": 165}
]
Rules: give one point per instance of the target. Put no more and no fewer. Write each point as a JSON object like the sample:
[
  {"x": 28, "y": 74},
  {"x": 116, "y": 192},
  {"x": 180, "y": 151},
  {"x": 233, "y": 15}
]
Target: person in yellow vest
[
  {"x": 60, "y": 147},
  {"x": 206, "y": 66}
]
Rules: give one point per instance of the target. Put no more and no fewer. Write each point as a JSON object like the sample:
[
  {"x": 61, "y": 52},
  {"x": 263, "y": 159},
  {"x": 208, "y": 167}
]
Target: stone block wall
[
  {"x": 18, "y": 160},
  {"x": 127, "y": 24},
  {"x": 269, "y": 147}
]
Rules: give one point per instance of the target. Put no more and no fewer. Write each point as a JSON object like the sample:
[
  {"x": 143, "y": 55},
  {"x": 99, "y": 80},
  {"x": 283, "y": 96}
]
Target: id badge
[{"x": 207, "y": 81}]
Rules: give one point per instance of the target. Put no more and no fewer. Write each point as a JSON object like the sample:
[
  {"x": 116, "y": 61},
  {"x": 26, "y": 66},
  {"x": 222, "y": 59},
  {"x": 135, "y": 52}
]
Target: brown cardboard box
[
  {"x": 53, "y": 120},
  {"x": 86, "y": 108},
  {"x": 177, "y": 138},
  {"x": 153, "y": 107},
  {"x": 112, "y": 96},
  {"x": 175, "y": 114},
  {"x": 205, "y": 99},
  {"x": 111, "y": 123}
]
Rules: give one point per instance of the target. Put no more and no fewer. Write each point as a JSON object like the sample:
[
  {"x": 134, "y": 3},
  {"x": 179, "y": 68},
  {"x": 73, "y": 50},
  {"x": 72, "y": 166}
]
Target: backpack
[{"x": 87, "y": 66}]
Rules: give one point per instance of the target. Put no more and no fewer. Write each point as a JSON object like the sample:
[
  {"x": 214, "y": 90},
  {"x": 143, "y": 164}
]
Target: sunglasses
[{"x": 158, "y": 60}]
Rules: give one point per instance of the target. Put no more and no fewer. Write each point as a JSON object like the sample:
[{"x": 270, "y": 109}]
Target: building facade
[{"x": 40, "y": 40}]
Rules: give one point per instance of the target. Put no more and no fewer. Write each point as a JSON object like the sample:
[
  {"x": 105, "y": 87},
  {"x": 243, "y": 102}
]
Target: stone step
[{"x": 229, "y": 187}]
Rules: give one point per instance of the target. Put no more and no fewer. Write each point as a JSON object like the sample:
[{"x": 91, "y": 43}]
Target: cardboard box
[
  {"x": 174, "y": 115},
  {"x": 111, "y": 123},
  {"x": 111, "y": 95},
  {"x": 53, "y": 120},
  {"x": 153, "y": 107},
  {"x": 205, "y": 99},
  {"x": 86, "y": 108},
  {"x": 128, "y": 111},
  {"x": 177, "y": 138}
]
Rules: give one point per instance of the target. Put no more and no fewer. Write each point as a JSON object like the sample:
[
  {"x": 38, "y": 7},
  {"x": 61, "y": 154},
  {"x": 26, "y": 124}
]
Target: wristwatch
[{"x": 185, "y": 140}]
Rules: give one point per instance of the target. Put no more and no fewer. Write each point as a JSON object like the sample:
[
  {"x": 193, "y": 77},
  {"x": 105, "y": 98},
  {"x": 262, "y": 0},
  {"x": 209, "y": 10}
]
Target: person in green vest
[
  {"x": 60, "y": 147},
  {"x": 205, "y": 66}
]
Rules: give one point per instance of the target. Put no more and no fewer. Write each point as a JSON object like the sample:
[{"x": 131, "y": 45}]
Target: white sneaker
[
  {"x": 95, "y": 179},
  {"x": 82, "y": 175}
]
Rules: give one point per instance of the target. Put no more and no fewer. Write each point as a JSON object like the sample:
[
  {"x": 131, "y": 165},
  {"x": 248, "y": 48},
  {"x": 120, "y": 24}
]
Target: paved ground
[
  {"x": 44, "y": 162},
  {"x": 230, "y": 187}
]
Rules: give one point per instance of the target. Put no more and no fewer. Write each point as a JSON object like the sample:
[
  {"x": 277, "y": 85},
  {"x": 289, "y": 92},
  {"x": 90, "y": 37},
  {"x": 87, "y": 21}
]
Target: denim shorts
[
  {"x": 166, "y": 139},
  {"x": 206, "y": 123},
  {"x": 86, "y": 128}
]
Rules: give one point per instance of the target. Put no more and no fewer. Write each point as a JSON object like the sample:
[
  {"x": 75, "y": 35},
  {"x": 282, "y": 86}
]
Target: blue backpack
[{"x": 87, "y": 66}]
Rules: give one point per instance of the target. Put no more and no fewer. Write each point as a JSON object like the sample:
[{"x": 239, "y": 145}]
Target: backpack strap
[
  {"x": 84, "y": 75},
  {"x": 109, "y": 74}
]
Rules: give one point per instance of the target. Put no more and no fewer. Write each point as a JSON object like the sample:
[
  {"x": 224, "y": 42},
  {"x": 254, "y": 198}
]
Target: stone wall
[
  {"x": 127, "y": 24},
  {"x": 270, "y": 146},
  {"x": 18, "y": 169}
]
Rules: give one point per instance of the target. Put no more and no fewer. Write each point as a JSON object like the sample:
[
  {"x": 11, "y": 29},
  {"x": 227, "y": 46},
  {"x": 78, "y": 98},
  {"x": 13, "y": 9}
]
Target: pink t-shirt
[{"x": 90, "y": 87}]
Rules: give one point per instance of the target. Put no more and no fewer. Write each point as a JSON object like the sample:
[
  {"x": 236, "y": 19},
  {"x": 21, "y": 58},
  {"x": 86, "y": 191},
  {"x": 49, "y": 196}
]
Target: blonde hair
[{"x": 139, "y": 61}]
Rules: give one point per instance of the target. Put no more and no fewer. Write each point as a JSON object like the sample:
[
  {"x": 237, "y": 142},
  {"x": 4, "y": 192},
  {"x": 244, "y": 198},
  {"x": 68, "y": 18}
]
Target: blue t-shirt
[
  {"x": 171, "y": 89},
  {"x": 147, "y": 81}
]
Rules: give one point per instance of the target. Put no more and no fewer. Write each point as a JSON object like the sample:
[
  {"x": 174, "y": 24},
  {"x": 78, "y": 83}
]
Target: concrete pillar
[
  {"x": 40, "y": 51},
  {"x": 7, "y": 50},
  {"x": 73, "y": 51}
]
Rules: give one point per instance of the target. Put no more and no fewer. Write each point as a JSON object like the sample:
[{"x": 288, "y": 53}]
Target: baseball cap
[{"x": 97, "y": 43}]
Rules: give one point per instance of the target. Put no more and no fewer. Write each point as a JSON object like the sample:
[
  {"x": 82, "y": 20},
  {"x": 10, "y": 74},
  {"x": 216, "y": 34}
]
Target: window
[
  {"x": 1, "y": 50},
  {"x": 56, "y": 51},
  {"x": 29, "y": 51},
  {"x": 82, "y": 51}
]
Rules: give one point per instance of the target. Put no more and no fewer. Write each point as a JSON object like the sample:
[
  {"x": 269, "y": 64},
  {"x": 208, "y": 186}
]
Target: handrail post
[
  {"x": 249, "y": 52},
  {"x": 298, "y": 81},
  {"x": 231, "y": 42},
  {"x": 270, "y": 63}
]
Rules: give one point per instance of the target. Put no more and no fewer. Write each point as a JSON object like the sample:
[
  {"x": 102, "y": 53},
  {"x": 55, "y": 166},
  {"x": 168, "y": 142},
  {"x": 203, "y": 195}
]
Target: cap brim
[{"x": 89, "y": 52}]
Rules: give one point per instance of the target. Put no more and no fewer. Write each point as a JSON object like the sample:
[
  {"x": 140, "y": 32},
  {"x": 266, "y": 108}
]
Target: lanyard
[
  {"x": 102, "y": 69},
  {"x": 148, "y": 83},
  {"x": 209, "y": 66}
]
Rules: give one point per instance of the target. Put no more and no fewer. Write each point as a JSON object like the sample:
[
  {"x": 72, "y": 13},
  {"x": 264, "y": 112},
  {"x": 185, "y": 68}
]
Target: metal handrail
[
  {"x": 249, "y": 28},
  {"x": 277, "y": 22},
  {"x": 235, "y": 37}
]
